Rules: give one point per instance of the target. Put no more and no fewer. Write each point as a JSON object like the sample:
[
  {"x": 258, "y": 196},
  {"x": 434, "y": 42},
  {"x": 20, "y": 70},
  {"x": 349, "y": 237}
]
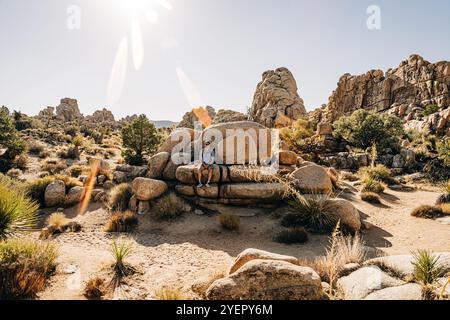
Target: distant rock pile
[
  {"x": 276, "y": 102},
  {"x": 68, "y": 110}
]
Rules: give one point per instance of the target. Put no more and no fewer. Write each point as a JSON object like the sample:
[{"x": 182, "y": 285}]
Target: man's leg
[
  {"x": 199, "y": 176},
  {"x": 210, "y": 173}
]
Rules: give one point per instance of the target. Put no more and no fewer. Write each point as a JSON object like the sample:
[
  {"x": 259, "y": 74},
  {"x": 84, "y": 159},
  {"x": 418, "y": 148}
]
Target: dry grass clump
[
  {"x": 53, "y": 166},
  {"x": 25, "y": 267},
  {"x": 372, "y": 185},
  {"x": 119, "y": 197},
  {"x": 378, "y": 172},
  {"x": 14, "y": 173},
  {"x": 291, "y": 236},
  {"x": 229, "y": 222},
  {"x": 311, "y": 212},
  {"x": 169, "y": 207},
  {"x": 58, "y": 221},
  {"x": 77, "y": 170},
  {"x": 21, "y": 161},
  {"x": 445, "y": 196},
  {"x": 169, "y": 293},
  {"x": 122, "y": 222},
  {"x": 35, "y": 147},
  {"x": 370, "y": 197},
  {"x": 427, "y": 212},
  {"x": 349, "y": 176},
  {"x": 341, "y": 251},
  {"x": 445, "y": 208},
  {"x": 95, "y": 288}
]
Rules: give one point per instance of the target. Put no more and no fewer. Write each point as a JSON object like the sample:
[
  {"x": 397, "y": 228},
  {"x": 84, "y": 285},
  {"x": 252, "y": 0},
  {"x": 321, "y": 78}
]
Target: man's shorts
[{"x": 204, "y": 166}]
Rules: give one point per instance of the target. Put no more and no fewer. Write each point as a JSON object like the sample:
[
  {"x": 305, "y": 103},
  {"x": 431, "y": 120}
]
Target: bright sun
[{"x": 148, "y": 8}]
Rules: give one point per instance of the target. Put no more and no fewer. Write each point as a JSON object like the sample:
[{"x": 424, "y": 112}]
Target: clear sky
[{"x": 209, "y": 52}]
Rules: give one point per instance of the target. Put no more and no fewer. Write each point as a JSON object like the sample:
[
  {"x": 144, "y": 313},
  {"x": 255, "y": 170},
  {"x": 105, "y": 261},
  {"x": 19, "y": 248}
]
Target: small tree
[
  {"x": 363, "y": 129},
  {"x": 77, "y": 142},
  {"x": 9, "y": 140},
  {"x": 140, "y": 138}
]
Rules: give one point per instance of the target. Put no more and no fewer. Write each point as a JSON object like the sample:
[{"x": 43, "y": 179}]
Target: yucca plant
[
  {"x": 445, "y": 196},
  {"x": 427, "y": 268},
  {"x": 17, "y": 211},
  {"x": 311, "y": 212},
  {"x": 121, "y": 250}
]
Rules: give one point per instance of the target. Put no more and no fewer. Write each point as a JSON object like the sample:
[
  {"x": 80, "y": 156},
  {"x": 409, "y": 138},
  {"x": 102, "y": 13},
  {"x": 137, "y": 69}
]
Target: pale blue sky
[{"x": 221, "y": 46}]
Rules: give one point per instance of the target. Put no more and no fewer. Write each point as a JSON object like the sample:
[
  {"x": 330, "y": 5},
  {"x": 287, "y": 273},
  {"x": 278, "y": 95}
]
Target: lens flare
[
  {"x": 90, "y": 183},
  {"x": 137, "y": 44},
  {"x": 190, "y": 89},
  {"x": 165, "y": 4},
  {"x": 118, "y": 73},
  {"x": 152, "y": 16},
  {"x": 203, "y": 116}
]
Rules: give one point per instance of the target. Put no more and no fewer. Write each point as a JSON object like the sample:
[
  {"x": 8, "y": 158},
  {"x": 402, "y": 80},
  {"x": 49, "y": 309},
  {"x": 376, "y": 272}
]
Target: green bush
[
  {"x": 430, "y": 109},
  {"x": 427, "y": 268},
  {"x": 140, "y": 138},
  {"x": 378, "y": 172},
  {"x": 311, "y": 212},
  {"x": 364, "y": 129},
  {"x": 17, "y": 211},
  {"x": 372, "y": 185},
  {"x": 25, "y": 267},
  {"x": 296, "y": 135},
  {"x": 291, "y": 236},
  {"x": 443, "y": 149}
]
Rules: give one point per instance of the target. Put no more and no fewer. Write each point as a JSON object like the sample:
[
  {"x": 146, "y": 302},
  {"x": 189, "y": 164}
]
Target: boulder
[
  {"x": 362, "y": 282},
  {"x": 119, "y": 177},
  {"x": 312, "y": 177},
  {"x": 398, "y": 161},
  {"x": 272, "y": 191},
  {"x": 324, "y": 128},
  {"x": 186, "y": 190},
  {"x": 147, "y": 189},
  {"x": 211, "y": 192},
  {"x": 188, "y": 174},
  {"x": 74, "y": 196},
  {"x": 132, "y": 171},
  {"x": 55, "y": 193},
  {"x": 409, "y": 291},
  {"x": 254, "y": 254},
  {"x": 101, "y": 165},
  {"x": 346, "y": 213},
  {"x": 268, "y": 280},
  {"x": 248, "y": 174},
  {"x": 181, "y": 135},
  {"x": 156, "y": 165},
  {"x": 288, "y": 158}
]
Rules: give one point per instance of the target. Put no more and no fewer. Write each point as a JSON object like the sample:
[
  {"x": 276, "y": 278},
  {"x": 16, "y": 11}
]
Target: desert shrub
[
  {"x": 445, "y": 196},
  {"x": 14, "y": 173},
  {"x": 430, "y": 109},
  {"x": 364, "y": 129},
  {"x": 229, "y": 222},
  {"x": 25, "y": 267},
  {"x": 35, "y": 147},
  {"x": 427, "y": 268},
  {"x": 293, "y": 235},
  {"x": 378, "y": 172},
  {"x": 44, "y": 154},
  {"x": 296, "y": 135},
  {"x": 436, "y": 170},
  {"x": 71, "y": 130},
  {"x": 58, "y": 221},
  {"x": 22, "y": 121},
  {"x": 122, "y": 222},
  {"x": 349, "y": 176},
  {"x": 311, "y": 212},
  {"x": 21, "y": 161},
  {"x": 168, "y": 207},
  {"x": 120, "y": 251},
  {"x": 443, "y": 149},
  {"x": 372, "y": 185},
  {"x": 10, "y": 140},
  {"x": 76, "y": 170},
  {"x": 169, "y": 293},
  {"x": 95, "y": 288},
  {"x": 445, "y": 208},
  {"x": 370, "y": 197},
  {"x": 119, "y": 197},
  {"x": 17, "y": 211},
  {"x": 54, "y": 166},
  {"x": 427, "y": 212},
  {"x": 140, "y": 138},
  {"x": 36, "y": 189}
]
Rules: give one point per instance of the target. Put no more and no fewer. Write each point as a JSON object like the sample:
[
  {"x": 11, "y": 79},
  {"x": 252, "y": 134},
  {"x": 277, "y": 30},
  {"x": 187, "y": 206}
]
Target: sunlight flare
[
  {"x": 137, "y": 43},
  {"x": 189, "y": 89},
  {"x": 118, "y": 73}
]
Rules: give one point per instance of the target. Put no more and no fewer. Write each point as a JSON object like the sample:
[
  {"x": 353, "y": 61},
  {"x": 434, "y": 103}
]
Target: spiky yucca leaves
[
  {"x": 17, "y": 211},
  {"x": 121, "y": 250},
  {"x": 427, "y": 268},
  {"x": 311, "y": 212}
]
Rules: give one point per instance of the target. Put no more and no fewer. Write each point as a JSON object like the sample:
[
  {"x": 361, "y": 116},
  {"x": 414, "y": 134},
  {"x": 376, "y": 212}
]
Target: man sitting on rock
[{"x": 207, "y": 163}]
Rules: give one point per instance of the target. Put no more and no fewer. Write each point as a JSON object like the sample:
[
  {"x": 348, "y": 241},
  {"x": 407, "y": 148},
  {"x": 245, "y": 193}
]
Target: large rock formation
[
  {"x": 102, "y": 117},
  {"x": 204, "y": 115},
  {"x": 68, "y": 110},
  {"x": 405, "y": 91},
  {"x": 224, "y": 116},
  {"x": 276, "y": 102}
]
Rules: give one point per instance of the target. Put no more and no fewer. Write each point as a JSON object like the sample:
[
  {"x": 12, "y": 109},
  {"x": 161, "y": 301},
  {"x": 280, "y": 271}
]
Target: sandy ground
[{"x": 179, "y": 253}]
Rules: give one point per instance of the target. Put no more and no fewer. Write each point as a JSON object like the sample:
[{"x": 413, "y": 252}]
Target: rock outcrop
[
  {"x": 204, "y": 115},
  {"x": 68, "y": 110},
  {"x": 404, "y": 91},
  {"x": 276, "y": 102},
  {"x": 224, "y": 116}
]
